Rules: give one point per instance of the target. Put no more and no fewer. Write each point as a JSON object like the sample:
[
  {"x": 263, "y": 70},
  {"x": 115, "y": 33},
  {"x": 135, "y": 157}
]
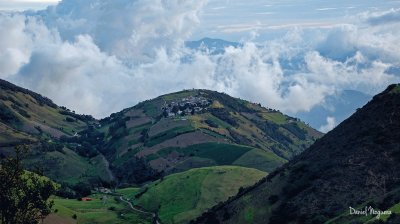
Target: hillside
[
  {"x": 169, "y": 134},
  {"x": 29, "y": 118},
  {"x": 103, "y": 208},
  {"x": 354, "y": 165},
  {"x": 199, "y": 190},
  {"x": 200, "y": 128}
]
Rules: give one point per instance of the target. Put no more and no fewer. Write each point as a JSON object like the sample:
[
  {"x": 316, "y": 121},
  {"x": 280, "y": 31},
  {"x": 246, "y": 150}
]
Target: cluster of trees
[
  {"x": 230, "y": 102},
  {"x": 83, "y": 189},
  {"x": 87, "y": 144},
  {"x": 224, "y": 115},
  {"x": 82, "y": 117},
  {"x": 23, "y": 195},
  {"x": 118, "y": 129},
  {"x": 136, "y": 170},
  {"x": 79, "y": 190},
  {"x": 211, "y": 123},
  {"x": 7, "y": 115},
  {"x": 272, "y": 130},
  {"x": 86, "y": 150},
  {"x": 46, "y": 146},
  {"x": 296, "y": 130},
  {"x": 239, "y": 139}
]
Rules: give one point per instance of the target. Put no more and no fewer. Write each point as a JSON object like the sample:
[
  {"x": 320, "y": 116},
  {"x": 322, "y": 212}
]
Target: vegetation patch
[
  {"x": 159, "y": 138},
  {"x": 261, "y": 160},
  {"x": 101, "y": 209},
  {"x": 275, "y": 116}
]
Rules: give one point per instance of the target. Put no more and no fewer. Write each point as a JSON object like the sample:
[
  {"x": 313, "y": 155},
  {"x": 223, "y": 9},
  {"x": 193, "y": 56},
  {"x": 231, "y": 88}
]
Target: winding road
[{"x": 140, "y": 211}]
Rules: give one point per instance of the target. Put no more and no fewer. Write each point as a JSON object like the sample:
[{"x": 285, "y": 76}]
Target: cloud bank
[{"x": 98, "y": 57}]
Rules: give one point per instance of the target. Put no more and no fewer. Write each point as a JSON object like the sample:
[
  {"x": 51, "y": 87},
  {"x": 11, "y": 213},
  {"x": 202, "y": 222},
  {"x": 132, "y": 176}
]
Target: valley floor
[{"x": 103, "y": 208}]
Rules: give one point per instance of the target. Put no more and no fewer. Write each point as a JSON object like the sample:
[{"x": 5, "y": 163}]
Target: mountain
[
  {"x": 199, "y": 128},
  {"x": 25, "y": 114},
  {"x": 29, "y": 118},
  {"x": 169, "y": 134},
  {"x": 355, "y": 165}
]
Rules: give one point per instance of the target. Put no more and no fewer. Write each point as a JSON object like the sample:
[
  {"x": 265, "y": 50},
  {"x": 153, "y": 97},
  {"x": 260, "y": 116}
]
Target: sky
[
  {"x": 20, "y": 5},
  {"x": 233, "y": 19},
  {"x": 100, "y": 56}
]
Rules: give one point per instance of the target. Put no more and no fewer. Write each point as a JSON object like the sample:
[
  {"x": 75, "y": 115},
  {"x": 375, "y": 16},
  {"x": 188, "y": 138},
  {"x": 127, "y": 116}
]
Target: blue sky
[
  {"x": 100, "y": 56},
  {"x": 235, "y": 19}
]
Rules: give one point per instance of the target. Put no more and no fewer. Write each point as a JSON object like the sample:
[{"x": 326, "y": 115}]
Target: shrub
[
  {"x": 69, "y": 119},
  {"x": 212, "y": 123}
]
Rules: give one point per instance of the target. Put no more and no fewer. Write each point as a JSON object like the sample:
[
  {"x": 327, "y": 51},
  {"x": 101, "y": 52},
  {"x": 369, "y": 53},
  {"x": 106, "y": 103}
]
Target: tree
[
  {"x": 23, "y": 195},
  {"x": 175, "y": 109}
]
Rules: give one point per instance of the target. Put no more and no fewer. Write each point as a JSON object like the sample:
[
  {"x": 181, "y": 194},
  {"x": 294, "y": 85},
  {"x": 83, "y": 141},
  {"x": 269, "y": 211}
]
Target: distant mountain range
[{"x": 215, "y": 46}]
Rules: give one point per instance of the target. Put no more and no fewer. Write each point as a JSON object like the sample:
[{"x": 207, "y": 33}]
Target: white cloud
[
  {"x": 99, "y": 57},
  {"x": 130, "y": 30},
  {"x": 330, "y": 124},
  {"x": 378, "y": 18},
  {"x": 326, "y": 9}
]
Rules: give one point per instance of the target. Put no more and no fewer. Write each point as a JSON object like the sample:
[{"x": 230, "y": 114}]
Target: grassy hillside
[
  {"x": 354, "y": 165},
  {"x": 29, "y": 118},
  {"x": 26, "y": 116},
  {"x": 178, "y": 198}
]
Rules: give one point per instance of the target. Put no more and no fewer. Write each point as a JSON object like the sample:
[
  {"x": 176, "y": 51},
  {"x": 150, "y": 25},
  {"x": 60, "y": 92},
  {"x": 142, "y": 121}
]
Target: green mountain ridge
[
  {"x": 355, "y": 165},
  {"x": 201, "y": 128}
]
